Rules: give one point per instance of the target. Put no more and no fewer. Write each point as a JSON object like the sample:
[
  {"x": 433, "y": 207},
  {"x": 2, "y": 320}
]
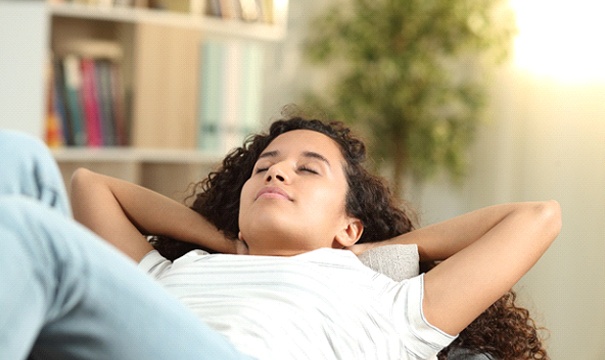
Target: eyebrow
[{"x": 307, "y": 154}]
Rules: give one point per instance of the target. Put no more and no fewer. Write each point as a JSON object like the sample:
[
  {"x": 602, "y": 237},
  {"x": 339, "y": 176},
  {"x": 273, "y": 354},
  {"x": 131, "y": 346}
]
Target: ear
[{"x": 349, "y": 234}]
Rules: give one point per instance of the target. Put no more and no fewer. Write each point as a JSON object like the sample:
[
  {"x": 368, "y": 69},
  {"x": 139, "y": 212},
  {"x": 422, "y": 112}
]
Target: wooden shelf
[
  {"x": 167, "y": 171},
  {"x": 207, "y": 24},
  {"x": 135, "y": 155}
]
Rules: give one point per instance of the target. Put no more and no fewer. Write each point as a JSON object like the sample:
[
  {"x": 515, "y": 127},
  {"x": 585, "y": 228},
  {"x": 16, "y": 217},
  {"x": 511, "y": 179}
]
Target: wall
[
  {"x": 545, "y": 139},
  {"x": 23, "y": 47},
  {"x": 562, "y": 156}
]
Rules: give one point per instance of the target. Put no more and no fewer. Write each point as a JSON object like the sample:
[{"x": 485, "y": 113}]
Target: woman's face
[{"x": 294, "y": 200}]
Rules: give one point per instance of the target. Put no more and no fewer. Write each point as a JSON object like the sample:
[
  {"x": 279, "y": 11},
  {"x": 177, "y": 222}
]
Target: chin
[
  {"x": 275, "y": 239},
  {"x": 269, "y": 222}
]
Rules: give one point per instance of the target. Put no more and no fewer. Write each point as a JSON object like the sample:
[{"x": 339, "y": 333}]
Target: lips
[{"x": 273, "y": 192}]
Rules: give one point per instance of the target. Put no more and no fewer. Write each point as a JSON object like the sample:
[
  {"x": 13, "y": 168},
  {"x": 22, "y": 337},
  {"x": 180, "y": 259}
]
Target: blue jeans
[{"x": 65, "y": 293}]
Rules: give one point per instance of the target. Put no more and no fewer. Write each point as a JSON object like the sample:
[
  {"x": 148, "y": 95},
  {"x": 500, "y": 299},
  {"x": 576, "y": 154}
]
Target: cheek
[
  {"x": 247, "y": 190},
  {"x": 244, "y": 198},
  {"x": 332, "y": 200}
]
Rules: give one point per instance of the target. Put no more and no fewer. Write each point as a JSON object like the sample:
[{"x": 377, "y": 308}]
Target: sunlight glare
[{"x": 561, "y": 39}]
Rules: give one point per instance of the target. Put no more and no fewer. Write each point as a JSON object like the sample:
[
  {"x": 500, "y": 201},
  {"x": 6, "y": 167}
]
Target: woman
[
  {"x": 498, "y": 331},
  {"x": 338, "y": 204},
  {"x": 296, "y": 208},
  {"x": 503, "y": 331}
]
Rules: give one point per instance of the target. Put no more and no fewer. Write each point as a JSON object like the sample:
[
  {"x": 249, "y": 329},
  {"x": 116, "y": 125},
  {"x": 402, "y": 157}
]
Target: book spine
[
  {"x": 73, "y": 88},
  {"x": 249, "y": 10},
  {"x": 253, "y": 61},
  {"x": 104, "y": 96},
  {"x": 214, "y": 8},
  {"x": 119, "y": 111},
  {"x": 61, "y": 102},
  {"x": 211, "y": 95},
  {"x": 231, "y": 111},
  {"x": 91, "y": 106},
  {"x": 53, "y": 136}
]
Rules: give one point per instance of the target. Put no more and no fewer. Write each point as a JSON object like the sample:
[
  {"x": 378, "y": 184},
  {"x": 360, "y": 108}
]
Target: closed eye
[
  {"x": 307, "y": 169},
  {"x": 259, "y": 170}
]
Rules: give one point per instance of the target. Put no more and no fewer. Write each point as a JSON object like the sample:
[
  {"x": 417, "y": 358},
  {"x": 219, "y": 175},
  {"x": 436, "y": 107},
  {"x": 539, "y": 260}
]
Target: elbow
[
  {"x": 84, "y": 189},
  {"x": 83, "y": 182},
  {"x": 549, "y": 213},
  {"x": 79, "y": 180}
]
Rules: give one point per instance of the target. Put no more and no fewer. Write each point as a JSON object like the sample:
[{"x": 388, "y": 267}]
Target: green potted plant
[{"x": 412, "y": 75}]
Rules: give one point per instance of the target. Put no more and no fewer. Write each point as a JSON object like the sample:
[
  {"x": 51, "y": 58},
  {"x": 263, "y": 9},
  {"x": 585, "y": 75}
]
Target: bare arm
[
  {"x": 485, "y": 253},
  {"x": 122, "y": 213}
]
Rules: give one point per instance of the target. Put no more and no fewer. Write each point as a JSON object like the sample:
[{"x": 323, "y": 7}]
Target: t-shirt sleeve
[
  {"x": 155, "y": 264},
  {"x": 422, "y": 340}
]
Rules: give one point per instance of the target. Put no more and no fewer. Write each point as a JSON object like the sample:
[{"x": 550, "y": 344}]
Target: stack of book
[{"x": 88, "y": 100}]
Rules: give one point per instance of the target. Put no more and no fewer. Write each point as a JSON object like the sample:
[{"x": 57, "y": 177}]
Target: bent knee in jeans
[{"x": 28, "y": 168}]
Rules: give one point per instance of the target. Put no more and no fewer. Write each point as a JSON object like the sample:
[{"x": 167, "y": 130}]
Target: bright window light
[{"x": 562, "y": 39}]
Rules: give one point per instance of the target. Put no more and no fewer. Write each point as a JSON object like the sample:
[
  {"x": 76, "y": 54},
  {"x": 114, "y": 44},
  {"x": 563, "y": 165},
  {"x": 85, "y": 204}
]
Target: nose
[{"x": 276, "y": 173}]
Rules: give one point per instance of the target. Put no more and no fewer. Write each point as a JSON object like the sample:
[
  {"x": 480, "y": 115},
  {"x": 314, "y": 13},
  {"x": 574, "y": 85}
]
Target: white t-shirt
[{"x": 324, "y": 304}]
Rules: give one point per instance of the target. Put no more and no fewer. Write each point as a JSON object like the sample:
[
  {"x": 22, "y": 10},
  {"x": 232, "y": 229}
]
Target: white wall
[
  {"x": 562, "y": 156},
  {"x": 545, "y": 139},
  {"x": 23, "y": 51}
]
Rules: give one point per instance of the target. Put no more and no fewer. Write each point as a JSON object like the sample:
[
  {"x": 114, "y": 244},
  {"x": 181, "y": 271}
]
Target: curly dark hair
[{"x": 504, "y": 330}]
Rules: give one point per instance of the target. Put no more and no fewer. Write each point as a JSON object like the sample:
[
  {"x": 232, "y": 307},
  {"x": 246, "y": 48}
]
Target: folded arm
[
  {"x": 484, "y": 253},
  {"x": 123, "y": 213}
]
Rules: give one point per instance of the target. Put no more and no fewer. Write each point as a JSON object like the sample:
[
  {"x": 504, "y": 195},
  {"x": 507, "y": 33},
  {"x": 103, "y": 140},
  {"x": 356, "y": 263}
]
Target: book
[
  {"x": 252, "y": 80},
  {"x": 90, "y": 102},
  {"x": 230, "y": 117},
  {"x": 210, "y": 103},
  {"x": 73, "y": 88},
  {"x": 228, "y": 10},
  {"x": 119, "y": 106},
  {"x": 249, "y": 10},
  {"x": 214, "y": 8},
  {"x": 60, "y": 102},
  {"x": 53, "y": 136},
  {"x": 105, "y": 101}
]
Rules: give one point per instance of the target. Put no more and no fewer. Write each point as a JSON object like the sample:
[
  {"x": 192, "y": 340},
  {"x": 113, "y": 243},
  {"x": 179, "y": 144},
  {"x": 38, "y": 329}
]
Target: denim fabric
[
  {"x": 28, "y": 168},
  {"x": 65, "y": 293}
]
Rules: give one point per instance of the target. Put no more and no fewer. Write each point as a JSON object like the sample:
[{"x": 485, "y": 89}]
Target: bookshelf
[
  {"x": 159, "y": 61},
  {"x": 210, "y": 25}
]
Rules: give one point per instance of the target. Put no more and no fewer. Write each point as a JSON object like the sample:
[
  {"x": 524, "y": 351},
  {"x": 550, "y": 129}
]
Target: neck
[
  {"x": 275, "y": 252},
  {"x": 283, "y": 244}
]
